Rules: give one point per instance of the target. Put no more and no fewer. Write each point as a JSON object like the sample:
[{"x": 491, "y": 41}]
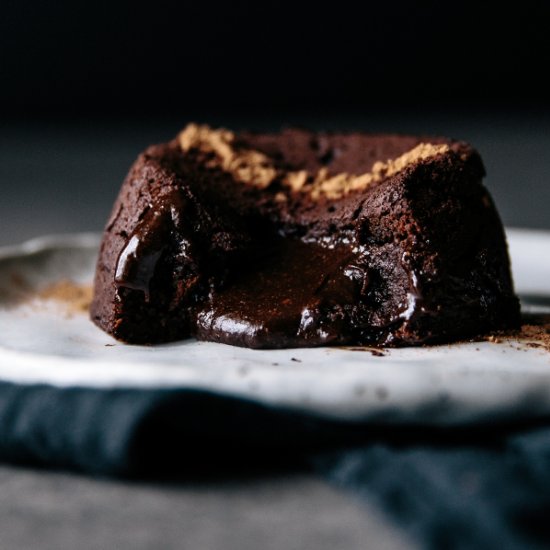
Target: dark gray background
[
  {"x": 56, "y": 511},
  {"x": 109, "y": 58}
]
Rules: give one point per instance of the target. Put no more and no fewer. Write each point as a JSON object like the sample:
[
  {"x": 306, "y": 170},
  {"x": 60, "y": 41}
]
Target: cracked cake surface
[{"x": 300, "y": 238}]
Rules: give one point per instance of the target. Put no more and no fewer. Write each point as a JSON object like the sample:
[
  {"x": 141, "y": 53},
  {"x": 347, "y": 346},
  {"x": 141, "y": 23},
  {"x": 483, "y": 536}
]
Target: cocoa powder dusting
[
  {"x": 533, "y": 333},
  {"x": 257, "y": 169},
  {"x": 75, "y": 298},
  {"x": 537, "y": 334}
]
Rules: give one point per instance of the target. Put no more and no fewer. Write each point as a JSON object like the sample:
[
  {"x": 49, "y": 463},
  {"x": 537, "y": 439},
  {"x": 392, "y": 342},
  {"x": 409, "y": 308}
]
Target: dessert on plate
[{"x": 298, "y": 238}]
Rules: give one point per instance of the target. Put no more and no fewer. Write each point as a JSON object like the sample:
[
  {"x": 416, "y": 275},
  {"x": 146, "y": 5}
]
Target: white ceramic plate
[{"x": 40, "y": 343}]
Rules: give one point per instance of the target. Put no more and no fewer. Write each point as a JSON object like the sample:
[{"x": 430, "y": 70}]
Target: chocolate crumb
[
  {"x": 377, "y": 352},
  {"x": 295, "y": 360}
]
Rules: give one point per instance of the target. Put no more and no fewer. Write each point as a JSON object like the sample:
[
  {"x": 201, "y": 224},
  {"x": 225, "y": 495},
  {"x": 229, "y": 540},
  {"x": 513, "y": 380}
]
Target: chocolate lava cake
[{"x": 304, "y": 239}]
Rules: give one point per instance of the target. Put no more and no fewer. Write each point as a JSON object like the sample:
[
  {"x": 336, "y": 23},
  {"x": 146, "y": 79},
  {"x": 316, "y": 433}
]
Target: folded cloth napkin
[
  {"x": 452, "y": 488},
  {"x": 473, "y": 494},
  {"x": 144, "y": 432}
]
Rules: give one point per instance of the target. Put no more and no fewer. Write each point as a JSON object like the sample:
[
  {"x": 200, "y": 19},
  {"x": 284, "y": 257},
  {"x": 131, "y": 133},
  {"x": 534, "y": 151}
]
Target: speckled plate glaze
[{"x": 460, "y": 383}]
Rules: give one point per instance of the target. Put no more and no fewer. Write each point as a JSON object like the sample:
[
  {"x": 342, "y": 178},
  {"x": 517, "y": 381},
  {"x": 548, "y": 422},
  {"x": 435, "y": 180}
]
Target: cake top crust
[{"x": 252, "y": 167}]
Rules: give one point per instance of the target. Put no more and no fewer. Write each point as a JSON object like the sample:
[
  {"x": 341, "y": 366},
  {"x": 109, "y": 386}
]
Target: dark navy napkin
[
  {"x": 451, "y": 488},
  {"x": 473, "y": 494},
  {"x": 146, "y": 432}
]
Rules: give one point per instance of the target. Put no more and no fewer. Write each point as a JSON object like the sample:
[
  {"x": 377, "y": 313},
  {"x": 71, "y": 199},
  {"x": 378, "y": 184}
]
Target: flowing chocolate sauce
[{"x": 297, "y": 293}]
